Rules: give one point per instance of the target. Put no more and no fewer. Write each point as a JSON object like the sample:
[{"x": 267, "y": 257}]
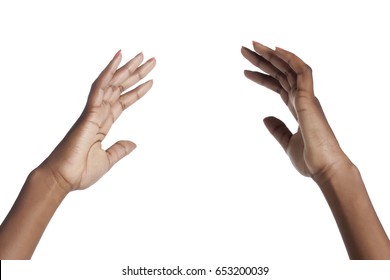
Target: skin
[
  {"x": 315, "y": 152},
  {"x": 79, "y": 160}
]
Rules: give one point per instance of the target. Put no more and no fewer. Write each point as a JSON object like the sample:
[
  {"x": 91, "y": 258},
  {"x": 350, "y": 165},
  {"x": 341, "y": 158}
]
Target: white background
[{"x": 207, "y": 186}]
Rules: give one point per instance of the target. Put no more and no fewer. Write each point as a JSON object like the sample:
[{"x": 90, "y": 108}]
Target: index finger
[
  {"x": 102, "y": 82},
  {"x": 303, "y": 71},
  {"x": 108, "y": 73},
  {"x": 126, "y": 70}
]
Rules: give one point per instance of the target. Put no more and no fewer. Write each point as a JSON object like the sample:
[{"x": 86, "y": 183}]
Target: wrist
[
  {"x": 338, "y": 172},
  {"x": 360, "y": 227},
  {"x": 29, "y": 216},
  {"x": 44, "y": 179}
]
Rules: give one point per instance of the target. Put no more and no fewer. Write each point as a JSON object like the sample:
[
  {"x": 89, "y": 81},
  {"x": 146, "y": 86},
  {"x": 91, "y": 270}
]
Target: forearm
[
  {"x": 27, "y": 220},
  {"x": 360, "y": 228}
]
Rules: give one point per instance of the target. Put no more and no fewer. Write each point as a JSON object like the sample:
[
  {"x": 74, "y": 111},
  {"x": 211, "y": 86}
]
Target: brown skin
[
  {"x": 79, "y": 160},
  {"x": 315, "y": 152}
]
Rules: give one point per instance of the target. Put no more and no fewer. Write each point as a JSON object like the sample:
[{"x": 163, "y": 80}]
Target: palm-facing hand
[{"x": 79, "y": 160}]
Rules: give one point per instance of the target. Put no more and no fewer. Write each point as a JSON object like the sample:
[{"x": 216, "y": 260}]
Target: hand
[
  {"x": 79, "y": 160},
  {"x": 313, "y": 149}
]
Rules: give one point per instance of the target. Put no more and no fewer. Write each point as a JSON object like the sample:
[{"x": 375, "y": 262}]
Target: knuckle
[
  {"x": 95, "y": 84},
  {"x": 277, "y": 75},
  {"x": 308, "y": 69},
  {"x": 288, "y": 73},
  {"x": 122, "y": 104},
  {"x": 271, "y": 58},
  {"x": 141, "y": 75},
  {"x": 294, "y": 87}
]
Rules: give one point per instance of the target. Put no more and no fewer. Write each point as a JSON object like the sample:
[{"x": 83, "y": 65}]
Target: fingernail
[
  {"x": 151, "y": 59},
  {"x": 279, "y": 49},
  {"x": 117, "y": 54},
  {"x": 247, "y": 72},
  {"x": 256, "y": 43}
]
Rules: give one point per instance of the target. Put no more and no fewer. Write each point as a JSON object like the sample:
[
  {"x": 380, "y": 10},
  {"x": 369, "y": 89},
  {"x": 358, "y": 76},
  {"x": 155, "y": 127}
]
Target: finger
[
  {"x": 311, "y": 117},
  {"x": 119, "y": 150},
  {"x": 120, "y": 83},
  {"x": 278, "y": 130},
  {"x": 266, "y": 66},
  {"x": 134, "y": 95},
  {"x": 106, "y": 75},
  {"x": 127, "y": 70},
  {"x": 139, "y": 74},
  {"x": 112, "y": 94},
  {"x": 302, "y": 70},
  {"x": 127, "y": 99},
  {"x": 268, "y": 82},
  {"x": 102, "y": 82},
  {"x": 307, "y": 106},
  {"x": 279, "y": 63}
]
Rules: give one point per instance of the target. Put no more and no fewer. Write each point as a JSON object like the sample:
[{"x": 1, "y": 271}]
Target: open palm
[{"x": 79, "y": 160}]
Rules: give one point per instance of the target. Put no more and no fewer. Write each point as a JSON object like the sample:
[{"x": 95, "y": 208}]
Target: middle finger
[
  {"x": 265, "y": 65},
  {"x": 270, "y": 56}
]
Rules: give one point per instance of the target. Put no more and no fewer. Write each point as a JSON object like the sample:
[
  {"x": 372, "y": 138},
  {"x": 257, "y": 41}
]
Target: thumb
[
  {"x": 278, "y": 130},
  {"x": 119, "y": 150}
]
